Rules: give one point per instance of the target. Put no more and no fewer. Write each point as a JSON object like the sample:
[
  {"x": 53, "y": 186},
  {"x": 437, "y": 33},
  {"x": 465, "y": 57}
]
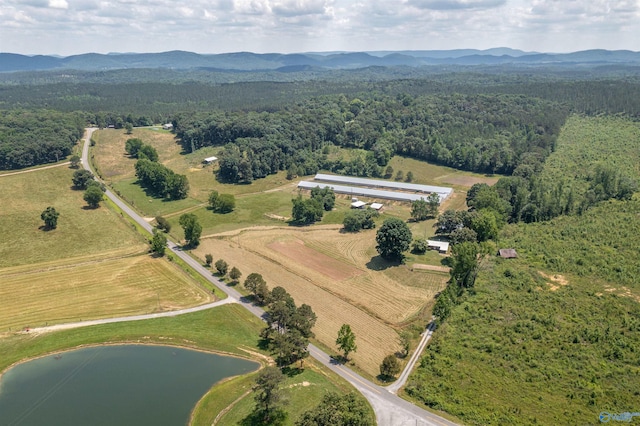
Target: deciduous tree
[
  {"x": 192, "y": 229},
  {"x": 420, "y": 210},
  {"x": 222, "y": 267},
  {"x": 465, "y": 264},
  {"x": 393, "y": 238},
  {"x": 159, "y": 243},
  {"x": 390, "y": 366},
  {"x": 81, "y": 178},
  {"x": 50, "y": 217},
  {"x": 268, "y": 393},
  {"x": 93, "y": 195},
  {"x": 235, "y": 274},
  {"x": 75, "y": 161},
  {"x": 131, "y": 146},
  {"x": 337, "y": 410},
  {"x": 346, "y": 340},
  {"x": 163, "y": 224}
]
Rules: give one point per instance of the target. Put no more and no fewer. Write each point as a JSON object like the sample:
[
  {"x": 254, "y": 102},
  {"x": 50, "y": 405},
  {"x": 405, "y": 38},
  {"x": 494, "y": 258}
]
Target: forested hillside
[
  {"x": 483, "y": 133},
  {"x": 28, "y": 138}
]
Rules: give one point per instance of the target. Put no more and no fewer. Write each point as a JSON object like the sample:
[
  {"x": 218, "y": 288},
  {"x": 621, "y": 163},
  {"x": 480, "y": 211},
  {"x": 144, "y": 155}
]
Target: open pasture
[
  {"x": 117, "y": 168},
  {"x": 339, "y": 276},
  {"x": 91, "y": 289},
  {"x": 80, "y": 231},
  {"x": 432, "y": 174}
]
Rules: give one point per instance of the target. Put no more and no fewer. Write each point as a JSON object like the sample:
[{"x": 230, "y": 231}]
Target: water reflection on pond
[{"x": 113, "y": 385}]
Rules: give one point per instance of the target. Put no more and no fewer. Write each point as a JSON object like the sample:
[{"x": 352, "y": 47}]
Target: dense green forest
[
  {"x": 29, "y": 138},
  {"x": 453, "y": 118},
  {"x": 483, "y": 133}
]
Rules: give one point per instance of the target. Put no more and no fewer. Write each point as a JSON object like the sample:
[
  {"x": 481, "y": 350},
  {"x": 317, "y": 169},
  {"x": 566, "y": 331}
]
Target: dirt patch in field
[
  {"x": 468, "y": 181},
  {"x": 372, "y": 300},
  {"x": 299, "y": 253},
  {"x": 622, "y": 291},
  {"x": 556, "y": 280},
  {"x": 422, "y": 266},
  {"x": 276, "y": 217}
]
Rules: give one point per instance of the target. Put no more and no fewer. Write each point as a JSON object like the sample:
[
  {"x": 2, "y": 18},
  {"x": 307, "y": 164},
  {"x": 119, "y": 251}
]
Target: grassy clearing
[
  {"x": 553, "y": 336},
  {"x": 95, "y": 289},
  {"x": 254, "y": 210},
  {"x": 80, "y": 232},
  {"x": 373, "y": 296},
  {"x": 586, "y": 142},
  {"x": 302, "y": 392},
  {"x": 228, "y": 329},
  {"x": 146, "y": 204},
  {"x": 432, "y": 174},
  {"x": 232, "y": 401}
]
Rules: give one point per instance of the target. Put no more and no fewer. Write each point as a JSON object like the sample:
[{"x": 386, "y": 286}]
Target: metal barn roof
[
  {"x": 367, "y": 192},
  {"x": 383, "y": 184}
]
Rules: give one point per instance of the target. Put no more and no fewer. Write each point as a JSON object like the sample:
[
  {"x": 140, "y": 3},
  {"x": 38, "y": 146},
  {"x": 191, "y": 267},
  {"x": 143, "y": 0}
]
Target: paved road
[{"x": 390, "y": 409}]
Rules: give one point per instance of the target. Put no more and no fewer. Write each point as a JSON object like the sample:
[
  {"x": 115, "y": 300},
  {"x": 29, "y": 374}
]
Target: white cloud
[
  {"x": 456, "y": 4},
  {"x": 210, "y": 26},
  {"x": 58, "y": 4}
]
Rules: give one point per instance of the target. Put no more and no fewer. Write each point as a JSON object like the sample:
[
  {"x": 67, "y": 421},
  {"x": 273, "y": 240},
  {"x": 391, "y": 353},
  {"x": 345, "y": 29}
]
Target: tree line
[
  {"x": 481, "y": 133},
  {"x": 32, "y": 137}
]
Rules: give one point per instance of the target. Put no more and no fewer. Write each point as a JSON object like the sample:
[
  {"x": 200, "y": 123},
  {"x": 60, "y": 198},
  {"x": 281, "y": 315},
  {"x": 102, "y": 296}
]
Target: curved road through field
[{"x": 390, "y": 409}]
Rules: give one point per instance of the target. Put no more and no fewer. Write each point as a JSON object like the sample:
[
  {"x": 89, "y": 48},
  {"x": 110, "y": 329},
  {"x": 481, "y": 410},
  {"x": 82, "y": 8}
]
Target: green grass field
[
  {"x": 81, "y": 232},
  {"x": 227, "y": 329},
  {"x": 553, "y": 336}
]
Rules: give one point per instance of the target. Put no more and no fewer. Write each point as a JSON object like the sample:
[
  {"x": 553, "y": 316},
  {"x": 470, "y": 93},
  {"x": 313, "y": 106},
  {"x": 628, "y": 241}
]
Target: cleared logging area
[
  {"x": 94, "y": 289},
  {"x": 331, "y": 272}
]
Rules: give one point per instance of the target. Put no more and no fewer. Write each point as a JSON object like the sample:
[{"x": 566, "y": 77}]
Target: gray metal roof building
[
  {"x": 350, "y": 180},
  {"x": 367, "y": 192}
]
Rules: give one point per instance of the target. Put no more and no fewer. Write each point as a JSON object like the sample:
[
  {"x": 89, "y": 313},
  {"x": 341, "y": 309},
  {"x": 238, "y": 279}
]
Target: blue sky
[{"x": 67, "y": 27}]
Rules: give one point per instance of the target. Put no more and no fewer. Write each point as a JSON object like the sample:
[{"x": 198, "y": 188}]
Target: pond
[{"x": 113, "y": 385}]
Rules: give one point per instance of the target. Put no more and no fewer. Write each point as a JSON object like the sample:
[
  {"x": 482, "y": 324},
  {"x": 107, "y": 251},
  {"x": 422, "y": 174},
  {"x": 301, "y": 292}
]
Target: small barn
[
  {"x": 376, "y": 206},
  {"x": 441, "y": 246},
  {"x": 209, "y": 160},
  {"x": 507, "y": 253},
  {"x": 358, "y": 205},
  {"x": 167, "y": 126}
]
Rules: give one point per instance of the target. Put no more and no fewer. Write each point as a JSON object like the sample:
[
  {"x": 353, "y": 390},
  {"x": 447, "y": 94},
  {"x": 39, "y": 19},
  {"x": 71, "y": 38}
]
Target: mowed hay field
[
  {"x": 328, "y": 270},
  {"x": 95, "y": 289},
  {"x": 80, "y": 233},
  {"x": 91, "y": 266}
]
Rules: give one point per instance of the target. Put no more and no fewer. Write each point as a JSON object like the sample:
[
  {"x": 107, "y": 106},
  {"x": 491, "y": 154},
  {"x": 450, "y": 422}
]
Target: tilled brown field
[{"x": 330, "y": 271}]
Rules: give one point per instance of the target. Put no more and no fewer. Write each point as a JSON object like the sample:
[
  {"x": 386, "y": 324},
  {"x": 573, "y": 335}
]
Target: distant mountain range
[{"x": 247, "y": 61}]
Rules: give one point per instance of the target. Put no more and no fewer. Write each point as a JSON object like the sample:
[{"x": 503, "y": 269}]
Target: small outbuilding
[
  {"x": 358, "y": 205},
  {"x": 376, "y": 206},
  {"x": 507, "y": 253},
  {"x": 441, "y": 246},
  {"x": 167, "y": 126},
  {"x": 209, "y": 160}
]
